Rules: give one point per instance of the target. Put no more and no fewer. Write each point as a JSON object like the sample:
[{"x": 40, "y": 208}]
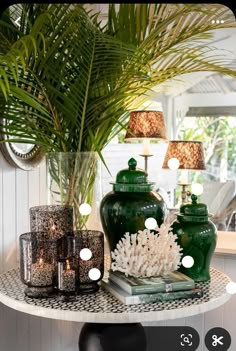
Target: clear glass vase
[{"x": 74, "y": 179}]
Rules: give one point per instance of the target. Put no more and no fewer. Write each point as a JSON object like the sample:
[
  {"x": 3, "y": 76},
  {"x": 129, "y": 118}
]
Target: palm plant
[{"x": 72, "y": 81}]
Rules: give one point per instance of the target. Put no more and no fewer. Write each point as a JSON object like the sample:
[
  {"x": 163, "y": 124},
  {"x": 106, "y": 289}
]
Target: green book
[
  {"x": 127, "y": 299},
  {"x": 175, "y": 281}
]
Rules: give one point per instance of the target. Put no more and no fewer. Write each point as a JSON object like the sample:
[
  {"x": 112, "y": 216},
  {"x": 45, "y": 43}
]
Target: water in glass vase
[{"x": 73, "y": 178}]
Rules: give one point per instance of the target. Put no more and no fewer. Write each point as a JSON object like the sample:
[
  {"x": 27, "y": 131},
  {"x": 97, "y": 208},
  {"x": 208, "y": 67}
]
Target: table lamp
[
  {"x": 184, "y": 155},
  {"x": 146, "y": 125}
]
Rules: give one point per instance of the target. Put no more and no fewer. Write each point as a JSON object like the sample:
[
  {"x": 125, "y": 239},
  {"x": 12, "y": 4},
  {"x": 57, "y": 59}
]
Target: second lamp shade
[{"x": 190, "y": 154}]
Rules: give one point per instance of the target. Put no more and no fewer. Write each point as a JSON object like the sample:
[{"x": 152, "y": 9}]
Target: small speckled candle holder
[
  {"x": 65, "y": 249},
  {"x": 37, "y": 261},
  {"x": 67, "y": 278},
  {"x": 66, "y": 246},
  {"x": 54, "y": 219},
  {"x": 89, "y": 252}
]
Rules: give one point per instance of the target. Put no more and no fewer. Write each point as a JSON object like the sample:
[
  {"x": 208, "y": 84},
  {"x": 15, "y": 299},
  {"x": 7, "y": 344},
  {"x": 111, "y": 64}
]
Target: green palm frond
[{"x": 71, "y": 81}]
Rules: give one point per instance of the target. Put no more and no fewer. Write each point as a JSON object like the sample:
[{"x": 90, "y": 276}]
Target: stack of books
[{"x": 131, "y": 290}]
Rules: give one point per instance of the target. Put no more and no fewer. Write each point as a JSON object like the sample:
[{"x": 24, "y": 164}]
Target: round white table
[
  {"x": 109, "y": 324},
  {"x": 102, "y": 307}
]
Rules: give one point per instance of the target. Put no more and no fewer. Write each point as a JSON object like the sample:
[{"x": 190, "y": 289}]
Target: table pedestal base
[{"x": 115, "y": 337}]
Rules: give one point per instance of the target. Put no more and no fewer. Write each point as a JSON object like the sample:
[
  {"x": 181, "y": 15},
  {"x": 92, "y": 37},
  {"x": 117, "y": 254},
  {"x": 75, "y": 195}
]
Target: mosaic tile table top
[{"x": 102, "y": 307}]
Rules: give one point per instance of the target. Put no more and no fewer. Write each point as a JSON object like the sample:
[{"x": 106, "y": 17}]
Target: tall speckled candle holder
[
  {"x": 54, "y": 219},
  {"x": 67, "y": 277}
]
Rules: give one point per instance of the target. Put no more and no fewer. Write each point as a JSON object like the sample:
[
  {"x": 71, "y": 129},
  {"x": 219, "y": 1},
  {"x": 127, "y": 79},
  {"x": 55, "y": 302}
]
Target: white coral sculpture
[{"x": 146, "y": 254}]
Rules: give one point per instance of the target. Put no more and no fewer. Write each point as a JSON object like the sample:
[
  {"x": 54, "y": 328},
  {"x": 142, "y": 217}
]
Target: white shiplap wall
[{"x": 20, "y": 190}]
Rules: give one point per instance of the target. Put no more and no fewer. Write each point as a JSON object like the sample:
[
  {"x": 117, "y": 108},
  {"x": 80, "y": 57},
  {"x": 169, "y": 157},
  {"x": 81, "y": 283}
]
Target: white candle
[
  {"x": 41, "y": 273},
  {"x": 146, "y": 146},
  {"x": 68, "y": 278}
]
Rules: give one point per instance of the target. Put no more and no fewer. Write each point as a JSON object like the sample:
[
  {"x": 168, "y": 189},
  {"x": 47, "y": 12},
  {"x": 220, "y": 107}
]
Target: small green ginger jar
[
  {"x": 131, "y": 202},
  {"x": 197, "y": 236}
]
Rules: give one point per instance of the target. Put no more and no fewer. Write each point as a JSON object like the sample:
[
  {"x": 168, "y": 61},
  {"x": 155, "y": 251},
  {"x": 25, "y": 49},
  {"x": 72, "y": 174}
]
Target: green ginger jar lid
[
  {"x": 132, "y": 179},
  {"x": 193, "y": 212}
]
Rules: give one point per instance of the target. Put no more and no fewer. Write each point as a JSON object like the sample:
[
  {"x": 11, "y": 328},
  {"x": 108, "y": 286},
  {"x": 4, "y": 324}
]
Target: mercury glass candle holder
[
  {"x": 54, "y": 219},
  {"x": 65, "y": 249},
  {"x": 67, "y": 278},
  {"x": 66, "y": 246},
  {"x": 89, "y": 252},
  {"x": 37, "y": 263}
]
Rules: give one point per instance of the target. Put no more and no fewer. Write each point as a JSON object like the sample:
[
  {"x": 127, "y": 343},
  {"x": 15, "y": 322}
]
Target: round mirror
[{"x": 21, "y": 155}]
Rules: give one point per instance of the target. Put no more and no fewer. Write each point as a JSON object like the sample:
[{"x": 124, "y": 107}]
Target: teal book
[
  {"x": 175, "y": 281},
  {"x": 127, "y": 299}
]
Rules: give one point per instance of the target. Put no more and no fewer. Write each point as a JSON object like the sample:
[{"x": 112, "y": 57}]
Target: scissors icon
[{"x": 217, "y": 340}]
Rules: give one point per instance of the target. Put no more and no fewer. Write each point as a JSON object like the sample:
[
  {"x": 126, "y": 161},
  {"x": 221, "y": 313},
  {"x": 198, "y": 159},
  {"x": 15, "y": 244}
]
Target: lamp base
[
  {"x": 146, "y": 161},
  {"x": 184, "y": 193}
]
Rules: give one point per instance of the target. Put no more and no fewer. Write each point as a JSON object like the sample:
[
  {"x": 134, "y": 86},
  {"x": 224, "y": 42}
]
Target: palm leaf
[
  {"x": 69, "y": 81},
  {"x": 89, "y": 77}
]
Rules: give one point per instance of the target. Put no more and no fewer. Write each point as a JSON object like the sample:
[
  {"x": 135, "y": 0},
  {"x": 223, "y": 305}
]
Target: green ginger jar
[
  {"x": 131, "y": 202},
  {"x": 197, "y": 236}
]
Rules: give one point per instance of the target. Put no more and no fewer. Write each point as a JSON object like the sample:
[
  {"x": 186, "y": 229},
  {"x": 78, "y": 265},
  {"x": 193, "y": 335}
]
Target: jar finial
[
  {"x": 132, "y": 163},
  {"x": 194, "y": 198}
]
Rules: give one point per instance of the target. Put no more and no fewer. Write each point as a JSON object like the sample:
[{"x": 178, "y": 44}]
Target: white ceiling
[
  {"x": 214, "y": 83},
  {"x": 200, "y": 82},
  {"x": 209, "y": 82}
]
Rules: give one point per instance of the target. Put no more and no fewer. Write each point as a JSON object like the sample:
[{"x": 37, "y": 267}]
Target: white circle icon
[
  {"x": 94, "y": 274},
  {"x": 231, "y": 288},
  {"x": 85, "y": 209},
  {"x": 85, "y": 254},
  {"x": 173, "y": 163},
  {"x": 187, "y": 261},
  {"x": 150, "y": 223},
  {"x": 196, "y": 189},
  {"x": 217, "y": 21}
]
